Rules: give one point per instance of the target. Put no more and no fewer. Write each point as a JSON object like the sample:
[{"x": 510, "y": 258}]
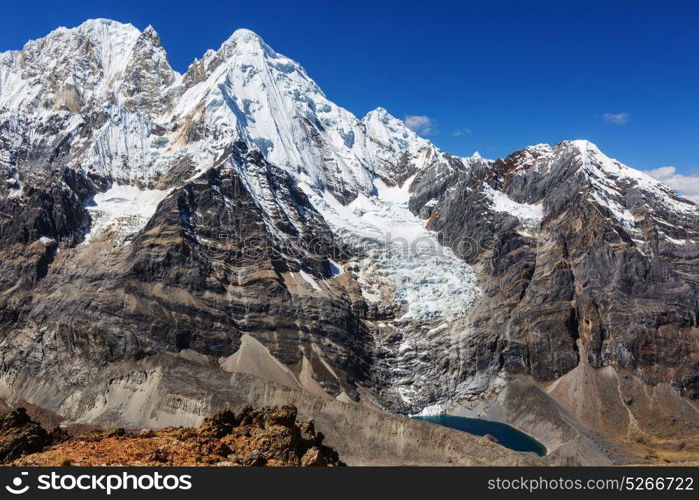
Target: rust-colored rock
[{"x": 256, "y": 437}]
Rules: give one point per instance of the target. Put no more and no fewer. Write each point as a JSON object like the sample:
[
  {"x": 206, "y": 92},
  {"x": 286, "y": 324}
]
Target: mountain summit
[{"x": 176, "y": 244}]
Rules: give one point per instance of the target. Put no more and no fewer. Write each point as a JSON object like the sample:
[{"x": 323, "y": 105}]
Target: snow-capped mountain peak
[
  {"x": 391, "y": 132},
  {"x": 247, "y": 91},
  {"x": 67, "y": 64},
  {"x": 96, "y": 63},
  {"x": 151, "y": 33},
  {"x": 611, "y": 177},
  {"x": 244, "y": 40},
  {"x": 244, "y": 91}
]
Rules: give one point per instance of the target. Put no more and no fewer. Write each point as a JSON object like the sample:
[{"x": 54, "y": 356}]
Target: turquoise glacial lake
[{"x": 507, "y": 436}]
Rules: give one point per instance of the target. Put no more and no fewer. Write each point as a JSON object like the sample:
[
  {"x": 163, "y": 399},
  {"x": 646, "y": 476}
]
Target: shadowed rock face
[
  {"x": 209, "y": 266},
  {"x": 20, "y": 435},
  {"x": 223, "y": 214}
]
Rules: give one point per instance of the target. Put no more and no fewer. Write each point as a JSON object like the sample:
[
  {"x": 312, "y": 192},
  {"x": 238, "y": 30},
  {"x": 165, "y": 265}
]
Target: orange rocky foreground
[{"x": 256, "y": 437}]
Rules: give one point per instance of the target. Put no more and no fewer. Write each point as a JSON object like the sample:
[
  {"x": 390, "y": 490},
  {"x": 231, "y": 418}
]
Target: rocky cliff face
[
  {"x": 581, "y": 259},
  {"x": 235, "y": 215}
]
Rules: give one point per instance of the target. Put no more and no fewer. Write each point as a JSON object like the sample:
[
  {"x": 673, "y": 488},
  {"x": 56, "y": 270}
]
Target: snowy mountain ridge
[{"x": 152, "y": 117}]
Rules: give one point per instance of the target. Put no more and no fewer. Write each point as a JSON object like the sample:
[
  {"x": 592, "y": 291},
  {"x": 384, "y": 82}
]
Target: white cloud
[
  {"x": 686, "y": 185},
  {"x": 616, "y": 118},
  {"x": 461, "y": 131},
  {"x": 421, "y": 124}
]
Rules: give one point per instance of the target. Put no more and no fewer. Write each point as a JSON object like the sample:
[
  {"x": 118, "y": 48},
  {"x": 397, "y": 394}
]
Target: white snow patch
[
  {"x": 620, "y": 213},
  {"x": 309, "y": 279},
  {"x": 431, "y": 411},
  {"x": 405, "y": 346},
  {"x": 406, "y": 394},
  {"x": 674, "y": 241},
  {"x": 124, "y": 209},
  {"x": 530, "y": 215}
]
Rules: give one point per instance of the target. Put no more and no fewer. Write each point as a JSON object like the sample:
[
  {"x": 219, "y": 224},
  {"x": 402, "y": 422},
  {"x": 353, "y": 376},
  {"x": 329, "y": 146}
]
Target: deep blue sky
[{"x": 505, "y": 73}]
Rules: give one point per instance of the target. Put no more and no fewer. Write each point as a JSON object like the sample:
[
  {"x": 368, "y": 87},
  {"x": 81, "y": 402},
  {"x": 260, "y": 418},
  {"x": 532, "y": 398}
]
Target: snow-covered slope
[
  {"x": 518, "y": 184},
  {"x": 121, "y": 211},
  {"x": 128, "y": 116},
  {"x": 93, "y": 89},
  {"x": 247, "y": 91}
]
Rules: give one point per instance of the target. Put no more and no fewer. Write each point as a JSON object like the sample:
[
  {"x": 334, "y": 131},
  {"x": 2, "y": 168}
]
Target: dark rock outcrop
[
  {"x": 256, "y": 437},
  {"x": 20, "y": 435}
]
